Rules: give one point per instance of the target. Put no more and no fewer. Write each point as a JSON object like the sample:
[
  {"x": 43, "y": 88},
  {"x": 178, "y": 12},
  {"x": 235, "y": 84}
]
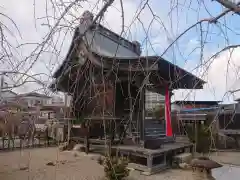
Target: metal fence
[{"x": 50, "y": 137}]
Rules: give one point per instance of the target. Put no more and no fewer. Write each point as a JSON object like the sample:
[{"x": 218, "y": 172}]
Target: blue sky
[
  {"x": 216, "y": 37},
  {"x": 172, "y": 18},
  {"x": 176, "y": 17}
]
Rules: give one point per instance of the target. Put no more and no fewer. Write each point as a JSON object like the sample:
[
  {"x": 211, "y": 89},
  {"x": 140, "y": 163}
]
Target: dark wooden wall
[{"x": 229, "y": 121}]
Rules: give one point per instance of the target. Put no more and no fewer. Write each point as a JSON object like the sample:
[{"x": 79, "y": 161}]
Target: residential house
[
  {"x": 56, "y": 100},
  {"x": 32, "y": 99},
  {"x": 191, "y": 113},
  {"x": 7, "y": 94},
  {"x": 153, "y": 100},
  {"x": 181, "y": 105}
]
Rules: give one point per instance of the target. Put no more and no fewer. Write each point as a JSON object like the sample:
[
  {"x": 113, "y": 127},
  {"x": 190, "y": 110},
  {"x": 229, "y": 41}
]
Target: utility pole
[
  {"x": 65, "y": 117},
  {"x": 2, "y": 84}
]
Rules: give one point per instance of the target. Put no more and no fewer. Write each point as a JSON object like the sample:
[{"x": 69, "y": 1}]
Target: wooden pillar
[
  {"x": 110, "y": 138},
  {"x": 168, "y": 122},
  {"x": 86, "y": 136},
  {"x": 68, "y": 120},
  {"x": 150, "y": 162}
]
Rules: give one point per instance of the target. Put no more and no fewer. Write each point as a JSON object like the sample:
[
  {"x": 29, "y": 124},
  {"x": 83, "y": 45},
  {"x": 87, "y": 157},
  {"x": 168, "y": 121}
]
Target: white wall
[
  {"x": 56, "y": 100},
  {"x": 31, "y": 101}
]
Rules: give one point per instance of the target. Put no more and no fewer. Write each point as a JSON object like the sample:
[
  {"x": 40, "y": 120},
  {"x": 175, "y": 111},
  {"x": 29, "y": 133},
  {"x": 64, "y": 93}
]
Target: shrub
[
  {"x": 115, "y": 168},
  {"x": 79, "y": 120},
  {"x": 202, "y": 138}
]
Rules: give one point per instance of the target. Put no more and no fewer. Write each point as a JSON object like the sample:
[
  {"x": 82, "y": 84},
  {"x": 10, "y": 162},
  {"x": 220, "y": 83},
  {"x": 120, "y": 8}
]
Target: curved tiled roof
[{"x": 106, "y": 45}]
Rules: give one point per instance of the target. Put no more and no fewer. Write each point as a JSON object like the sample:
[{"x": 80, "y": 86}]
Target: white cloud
[
  {"x": 164, "y": 29},
  {"x": 221, "y": 74},
  {"x": 31, "y": 21}
]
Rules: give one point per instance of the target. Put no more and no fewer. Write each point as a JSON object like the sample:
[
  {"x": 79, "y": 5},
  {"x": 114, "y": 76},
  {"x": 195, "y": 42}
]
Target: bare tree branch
[{"x": 230, "y": 5}]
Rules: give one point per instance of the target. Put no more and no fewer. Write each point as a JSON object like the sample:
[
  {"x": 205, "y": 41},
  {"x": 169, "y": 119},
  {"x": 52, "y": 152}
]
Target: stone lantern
[{"x": 203, "y": 167}]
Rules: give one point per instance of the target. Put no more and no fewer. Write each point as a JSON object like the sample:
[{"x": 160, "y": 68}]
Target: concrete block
[{"x": 183, "y": 158}]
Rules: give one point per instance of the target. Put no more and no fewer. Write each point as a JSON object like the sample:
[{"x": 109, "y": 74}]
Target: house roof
[
  {"x": 199, "y": 109},
  {"x": 210, "y": 103},
  {"x": 178, "y": 77},
  {"x": 102, "y": 45},
  {"x": 33, "y": 94},
  {"x": 10, "y": 91},
  {"x": 238, "y": 100}
]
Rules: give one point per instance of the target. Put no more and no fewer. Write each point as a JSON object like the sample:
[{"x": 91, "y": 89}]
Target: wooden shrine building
[{"x": 107, "y": 78}]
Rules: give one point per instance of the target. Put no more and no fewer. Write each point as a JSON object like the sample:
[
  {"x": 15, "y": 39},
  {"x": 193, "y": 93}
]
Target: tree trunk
[{"x": 86, "y": 137}]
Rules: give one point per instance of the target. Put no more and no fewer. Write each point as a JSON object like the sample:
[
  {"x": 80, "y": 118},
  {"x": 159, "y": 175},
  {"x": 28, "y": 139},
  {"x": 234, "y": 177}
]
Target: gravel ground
[
  {"x": 67, "y": 167},
  {"x": 14, "y": 166}
]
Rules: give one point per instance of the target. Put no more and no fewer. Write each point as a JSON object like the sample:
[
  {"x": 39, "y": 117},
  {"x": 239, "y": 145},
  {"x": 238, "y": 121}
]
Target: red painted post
[{"x": 168, "y": 113}]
